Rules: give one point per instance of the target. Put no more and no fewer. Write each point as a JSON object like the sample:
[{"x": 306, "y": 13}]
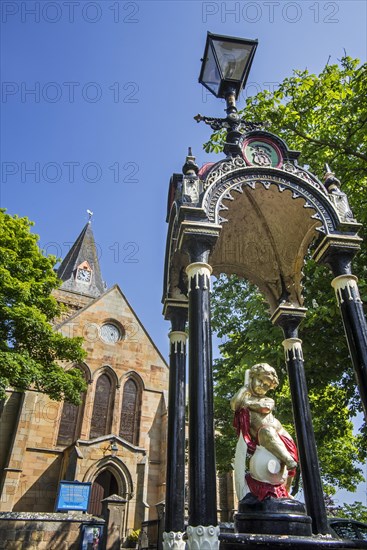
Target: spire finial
[
  {"x": 90, "y": 214},
  {"x": 190, "y": 167},
  {"x": 327, "y": 169},
  {"x": 331, "y": 183}
]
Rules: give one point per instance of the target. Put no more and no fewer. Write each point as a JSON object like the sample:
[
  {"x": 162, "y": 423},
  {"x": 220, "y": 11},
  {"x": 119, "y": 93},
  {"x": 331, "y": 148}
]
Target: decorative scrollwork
[
  {"x": 240, "y": 124},
  {"x": 222, "y": 169},
  {"x": 303, "y": 174}
]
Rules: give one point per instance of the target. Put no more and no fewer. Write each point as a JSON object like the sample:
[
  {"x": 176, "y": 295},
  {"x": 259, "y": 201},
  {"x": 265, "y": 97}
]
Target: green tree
[
  {"x": 356, "y": 511},
  {"x": 325, "y": 117},
  {"x": 30, "y": 349}
]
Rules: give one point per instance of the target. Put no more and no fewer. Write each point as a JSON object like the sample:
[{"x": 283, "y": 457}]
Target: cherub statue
[{"x": 273, "y": 452}]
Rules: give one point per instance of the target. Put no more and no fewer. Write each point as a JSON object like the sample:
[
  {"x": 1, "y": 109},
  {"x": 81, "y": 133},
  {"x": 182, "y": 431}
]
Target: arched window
[
  {"x": 130, "y": 412},
  {"x": 102, "y": 408},
  {"x": 71, "y": 421}
]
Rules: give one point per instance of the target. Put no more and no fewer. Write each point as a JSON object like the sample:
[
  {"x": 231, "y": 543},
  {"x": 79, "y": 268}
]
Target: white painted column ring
[
  {"x": 349, "y": 282},
  {"x": 199, "y": 268},
  {"x": 178, "y": 337},
  {"x": 294, "y": 345}
]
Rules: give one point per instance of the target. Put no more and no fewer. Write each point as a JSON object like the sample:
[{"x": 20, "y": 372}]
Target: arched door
[{"x": 103, "y": 486}]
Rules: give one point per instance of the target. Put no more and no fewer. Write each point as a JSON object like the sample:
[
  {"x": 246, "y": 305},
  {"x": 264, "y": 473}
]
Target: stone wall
[{"x": 43, "y": 531}]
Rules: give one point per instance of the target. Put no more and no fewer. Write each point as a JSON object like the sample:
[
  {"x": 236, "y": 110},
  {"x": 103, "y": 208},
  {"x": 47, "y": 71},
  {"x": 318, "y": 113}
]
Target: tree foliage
[
  {"x": 30, "y": 349},
  {"x": 356, "y": 511},
  {"x": 325, "y": 117}
]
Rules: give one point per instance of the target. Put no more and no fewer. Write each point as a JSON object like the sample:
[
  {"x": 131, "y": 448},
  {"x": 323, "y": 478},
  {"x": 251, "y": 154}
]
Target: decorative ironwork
[
  {"x": 218, "y": 192},
  {"x": 232, "y": 122}
]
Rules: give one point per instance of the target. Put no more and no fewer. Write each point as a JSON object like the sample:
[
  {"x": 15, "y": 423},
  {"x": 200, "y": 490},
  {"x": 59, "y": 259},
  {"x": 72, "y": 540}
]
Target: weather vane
[{"x": 90, "y": 213}]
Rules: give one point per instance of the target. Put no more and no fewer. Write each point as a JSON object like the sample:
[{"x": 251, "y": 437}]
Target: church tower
[{"x": 80, "y": 273}]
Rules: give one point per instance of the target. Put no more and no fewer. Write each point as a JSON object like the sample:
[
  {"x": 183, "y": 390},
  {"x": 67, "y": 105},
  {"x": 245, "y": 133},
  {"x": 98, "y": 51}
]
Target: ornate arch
[
  {"x": 117, "y": 467},
  {"x": 109, "y": 476},
  {"x": 222, "y": 182},
  {"x": 107, "y": 369},
  {"x": 136, "y": 376}
]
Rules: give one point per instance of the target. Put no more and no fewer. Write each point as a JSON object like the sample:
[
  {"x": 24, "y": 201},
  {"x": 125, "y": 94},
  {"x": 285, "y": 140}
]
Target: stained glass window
[
  {"x": 130, "y": 413},
  {"x": 71, "y": 422},
  {"x": 102, "y": 413}
]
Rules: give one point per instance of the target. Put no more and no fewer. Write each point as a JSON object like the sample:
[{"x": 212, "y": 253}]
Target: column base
[
  {"x": 203, "y": 538},
  {"x": 274, "y": 516},
  {"x": 173, "y": 540}
]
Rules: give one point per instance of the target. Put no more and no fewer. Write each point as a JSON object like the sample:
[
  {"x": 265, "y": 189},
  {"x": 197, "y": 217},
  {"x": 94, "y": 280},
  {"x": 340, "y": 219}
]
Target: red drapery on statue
[{"x": 262, "y": 489}]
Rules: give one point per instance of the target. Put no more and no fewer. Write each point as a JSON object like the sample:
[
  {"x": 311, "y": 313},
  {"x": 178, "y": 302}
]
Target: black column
[
  {"x": 202, "y": 471},
  {"x": 309, "y": 463},
  {"x": 175, "y": 479},
  {"x": 355, "y": 326}
]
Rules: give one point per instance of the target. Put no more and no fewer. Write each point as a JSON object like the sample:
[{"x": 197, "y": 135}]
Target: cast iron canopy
[{"x": 226, "y": 64}]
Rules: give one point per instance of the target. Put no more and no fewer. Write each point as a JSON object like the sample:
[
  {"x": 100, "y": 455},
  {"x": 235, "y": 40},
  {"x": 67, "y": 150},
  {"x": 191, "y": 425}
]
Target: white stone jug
[{"x": 264, "y": 466}]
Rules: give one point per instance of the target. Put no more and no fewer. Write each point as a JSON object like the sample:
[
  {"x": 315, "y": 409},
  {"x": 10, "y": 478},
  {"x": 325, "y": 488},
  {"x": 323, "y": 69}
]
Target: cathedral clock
[{"x": 84, "y": 273}]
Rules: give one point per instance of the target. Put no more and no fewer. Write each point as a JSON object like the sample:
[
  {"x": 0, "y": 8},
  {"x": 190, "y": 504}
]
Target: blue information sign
[{"x": 73, "y": 495}]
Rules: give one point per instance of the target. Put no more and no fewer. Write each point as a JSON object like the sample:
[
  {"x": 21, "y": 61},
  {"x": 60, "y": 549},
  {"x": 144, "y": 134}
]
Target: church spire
[{"x": 80, "y": 270}]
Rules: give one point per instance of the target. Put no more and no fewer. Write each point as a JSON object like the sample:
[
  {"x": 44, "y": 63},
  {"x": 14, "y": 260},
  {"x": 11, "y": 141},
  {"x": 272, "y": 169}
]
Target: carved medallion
[{"x": 261, "y": 152}]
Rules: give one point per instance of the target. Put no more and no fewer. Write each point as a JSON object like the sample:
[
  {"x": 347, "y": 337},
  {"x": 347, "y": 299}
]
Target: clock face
[
  {"x": 84, "y": 275},
  {"x": 110, "y": 333}
]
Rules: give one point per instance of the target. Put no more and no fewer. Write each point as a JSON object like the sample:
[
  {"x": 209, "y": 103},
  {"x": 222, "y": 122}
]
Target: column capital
[
  {"x": 173, "y": 308},
  {"x": 197, "y": 239},
  {"x": 289, "y": 318},
  {"x": 337, "y": 251}
]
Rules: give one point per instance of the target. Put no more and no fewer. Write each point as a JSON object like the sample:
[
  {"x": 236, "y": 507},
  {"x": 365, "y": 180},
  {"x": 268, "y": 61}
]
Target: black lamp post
[{"x": 225, "y": 68}]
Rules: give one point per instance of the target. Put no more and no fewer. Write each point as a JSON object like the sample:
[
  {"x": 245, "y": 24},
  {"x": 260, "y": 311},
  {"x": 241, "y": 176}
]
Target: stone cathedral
[{"x": 116, "y": 438}]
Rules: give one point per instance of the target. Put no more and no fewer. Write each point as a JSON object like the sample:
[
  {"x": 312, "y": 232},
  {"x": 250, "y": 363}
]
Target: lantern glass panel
[
  {"x": 232, "y": 58},
  {"x": 211, "y": 77}
]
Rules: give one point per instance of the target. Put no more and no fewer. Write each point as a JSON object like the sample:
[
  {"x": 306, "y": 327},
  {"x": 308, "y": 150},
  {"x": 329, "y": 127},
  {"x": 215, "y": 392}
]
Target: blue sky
[{"x": 115, "y": 88}]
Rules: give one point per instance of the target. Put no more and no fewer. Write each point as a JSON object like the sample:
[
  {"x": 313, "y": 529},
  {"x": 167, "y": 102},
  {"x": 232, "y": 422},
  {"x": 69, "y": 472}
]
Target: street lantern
[
  {"x": 114, "y": 448},
  {"x": 225, "y": 67},
  {"x": 226, "y": 64}
]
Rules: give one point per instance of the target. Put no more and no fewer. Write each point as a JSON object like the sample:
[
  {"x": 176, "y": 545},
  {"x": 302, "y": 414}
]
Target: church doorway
[{"x": 103, "y": 486}]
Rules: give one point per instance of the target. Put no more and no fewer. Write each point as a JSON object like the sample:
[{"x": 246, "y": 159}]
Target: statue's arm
[
  {"x": 238, "y": 400},
  {"x": 263, "y": 405}
]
